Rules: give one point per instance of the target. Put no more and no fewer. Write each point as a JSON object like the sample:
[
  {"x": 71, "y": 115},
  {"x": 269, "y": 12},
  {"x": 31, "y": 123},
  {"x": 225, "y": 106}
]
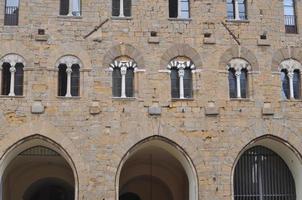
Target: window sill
[
  {"x": 121, "y": 18},
  {"x": 290, "y": 100},
  {"x": 124, "y": 98},
  {"x": 241, "y": 99},
  {"x": 72, "y": 98},
  {"x": 180, "y": 19},
  {"x": 10, "y": 26},
  {"x": 184, "y": 99},
  {"x": 238, "y": 20},
  {"x": 11, "y": 97},
  {"x": 69, "y": 17}
]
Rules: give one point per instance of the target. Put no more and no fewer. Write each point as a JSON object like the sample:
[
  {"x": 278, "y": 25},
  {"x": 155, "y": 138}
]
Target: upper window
[
  {"x": 123, "y": 77},
  {"x": 69, "y": 76},
  {"x": 11, "y": 16},
  {"x": 179, "y": 9},
  {"x": 236, "y": 9},
  {"x": 12, "y": 75},
  {"x": 261, "y": 174},
  {"x": 238, "y": 78},
  {"x": 290, "y": 20},
  {"x": 121, "y": 8},
  {"x": 70, "y": 7},
  {"x": 181, "y": 78},
  {"x": 291, "y": 79}
]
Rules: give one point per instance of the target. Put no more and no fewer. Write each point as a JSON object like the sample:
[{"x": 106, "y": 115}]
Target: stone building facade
[{"x": 96, "y": 136}]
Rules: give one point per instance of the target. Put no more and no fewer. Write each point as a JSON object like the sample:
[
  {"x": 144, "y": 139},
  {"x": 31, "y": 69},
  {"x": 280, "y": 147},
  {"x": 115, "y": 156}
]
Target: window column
[
  {"x": 70, "y": 9},
  {"x": 238, "y": 75},
  {"x": 68, "y": 72},
  {"x": 123, "y": 73},
  {"x": 236, "y": 6},
  {"x": 181, "y": 73},
  {"x": 122, "y": 8},
  {"x": 12, "y": 70}
]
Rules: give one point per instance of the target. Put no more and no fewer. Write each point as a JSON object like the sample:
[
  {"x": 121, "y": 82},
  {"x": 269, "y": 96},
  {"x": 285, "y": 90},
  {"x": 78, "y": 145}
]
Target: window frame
[{"x": 179, "y": 10}]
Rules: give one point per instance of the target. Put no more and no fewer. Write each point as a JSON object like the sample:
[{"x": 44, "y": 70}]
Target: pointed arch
[{"x": 174, "y": 150}]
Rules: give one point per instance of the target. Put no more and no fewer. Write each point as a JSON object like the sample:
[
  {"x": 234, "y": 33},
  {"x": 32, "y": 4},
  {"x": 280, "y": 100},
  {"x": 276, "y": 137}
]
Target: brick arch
[
  {"x": 48, "y": 134},
  {"x": 184, "y": 50},
  {"x": 75, "y": 50},
  {"x": 284, "y": 54},
  {"x": 239, "y": 52},
  {"x": 123, "y": 50}
]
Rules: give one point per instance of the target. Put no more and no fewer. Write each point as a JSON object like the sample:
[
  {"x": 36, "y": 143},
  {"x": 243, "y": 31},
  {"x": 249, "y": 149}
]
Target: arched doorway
[
  {"x": 37, "y": 169},
  {"x": 156, "y": 169}
]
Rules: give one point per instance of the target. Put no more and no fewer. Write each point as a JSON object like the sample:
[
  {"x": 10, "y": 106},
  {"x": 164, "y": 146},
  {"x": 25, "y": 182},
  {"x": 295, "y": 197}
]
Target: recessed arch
[
  {"x": 284, "y": 150},
  {"x": 15, "y": 154},
  {"x": 162, "y": 146}
]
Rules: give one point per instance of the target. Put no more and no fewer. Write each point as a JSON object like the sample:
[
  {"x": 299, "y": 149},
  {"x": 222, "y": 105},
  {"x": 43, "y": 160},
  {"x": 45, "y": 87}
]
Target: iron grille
[
  {"x": 261, "y": 174},
  {"x": 39, "y": 151}
]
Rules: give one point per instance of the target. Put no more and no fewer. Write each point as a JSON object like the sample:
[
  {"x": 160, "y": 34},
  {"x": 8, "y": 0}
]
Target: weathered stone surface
[{"x": 37, "y": 108}]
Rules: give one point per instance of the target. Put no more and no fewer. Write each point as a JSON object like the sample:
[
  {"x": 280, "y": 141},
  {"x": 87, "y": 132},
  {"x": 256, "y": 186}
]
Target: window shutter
[
  {"x": 5, "y": 78},
  {"x": 116, "y": 8},
  {"x": 285, "y": 84},
  {"x": 297, "y": 84},
  {"x": 230, "y": 9},
  {"x": 127, "y": 8},
  {"x": 242, "y": 9},
  {"x": 19, "y": 79},
  {"x": 232, "y": 83},
  {"x": 116, "y": 82},
  {"x": 188, "y": 92},
  {"x": 75, "y": 80},
  {"x": 243, "y": 83},
  {"x": 62, "y": 82},
  {"x": 129, "y": 82},
  {"x": 174, "y": 83},
  {"x": 64, "y": 7},
  {"x": 173, "y": 8}
]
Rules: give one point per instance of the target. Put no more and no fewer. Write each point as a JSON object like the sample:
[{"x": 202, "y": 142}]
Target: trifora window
[
  {"x": 123, "y": 77},
  {"x": 181, "y": 78},
  {"x": 238, "y": 78},
  {"x": 236, "y": 9},
  {"x": 262, "y": 174},
  {"x": 70, "y": 7},
  {"x": 121, "y": 8},
  {"x": 179, "y": 9}
]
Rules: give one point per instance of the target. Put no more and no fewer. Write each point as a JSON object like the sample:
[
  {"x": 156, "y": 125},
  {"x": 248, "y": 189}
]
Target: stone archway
[
  {"x": 157, "y": 169},
  {"x": 37, "y": 168}
]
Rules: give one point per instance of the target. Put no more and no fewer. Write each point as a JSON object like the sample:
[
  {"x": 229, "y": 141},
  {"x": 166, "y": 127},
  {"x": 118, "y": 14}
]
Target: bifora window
[
  {"x": 291, "y": 79},
  {"x": 69, "y": 76},
  {"x": 290, "y": 16},
  {"x": 236, "y": 9},
  {"x": 121, "y": 8},
  {"x": 181, "y": 78},
  {"x": 123, "y": 70},
  {"x": 70, "y": 7},
  {"x": 238, "y": 78},
  {"x": 12, "y": 75},
  {"x": 261, "y": 174},
  {"x": 179, "y": 9}
]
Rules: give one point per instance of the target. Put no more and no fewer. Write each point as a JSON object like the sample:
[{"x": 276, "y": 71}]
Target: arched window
[
  {"x": 12, "y": 75},
  {"x": 291, "y": 79},
  {"x": 181, "y": 78},
  {"x": 179, "y": 9},
  {"x": 236, "y": 9},
  {"x": 261, "y": 174},
  {"x": 69, "y": 76},
  {"x": 290, "y": 18},
  {"x": 70, "y": 7},
  {"x": 238, "y": 78},
  {"x": 123, "y": 70},
  {"x": 121, "y": 8},
  {"x": 11, "y": 16}
]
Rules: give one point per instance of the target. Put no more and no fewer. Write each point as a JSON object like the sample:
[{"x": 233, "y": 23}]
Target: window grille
[
  {"x": 290, "y": 16},
  {"x": 39, "y": 151},
  {"x": 11, "y": 16},
  {"x": 261, "y": 174}
]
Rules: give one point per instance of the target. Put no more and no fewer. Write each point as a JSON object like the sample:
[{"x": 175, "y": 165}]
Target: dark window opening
[
  {"x": 285, "y": 84},
  {"x": 173, "y": 8},
  {"x": 127, "y": 8},
  {"x": 129, "y": 82},
  {"x": 116, "y": 82},
  {"x": 188, "y": 92},
  {"x": 64, "y": 7},
  {"x": 261, "y": 174},
  {"x": 19, "y": 79},
  {"x": 5, "y": 79},
  {"x": 290, "y": 18},
  {"x": 11, "y": 16},
  {"x": 232, "y": 83},
  {"x": 243, "y": 83},
  {"x": 129, "y": 196},
  {"x": 297, "y": 84},
  {"x": 62, "y": 82},
  {"x": 75, "y": 80},
  {"x": 174, "y": 83},
  {"x": 116, "y": 8}
]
